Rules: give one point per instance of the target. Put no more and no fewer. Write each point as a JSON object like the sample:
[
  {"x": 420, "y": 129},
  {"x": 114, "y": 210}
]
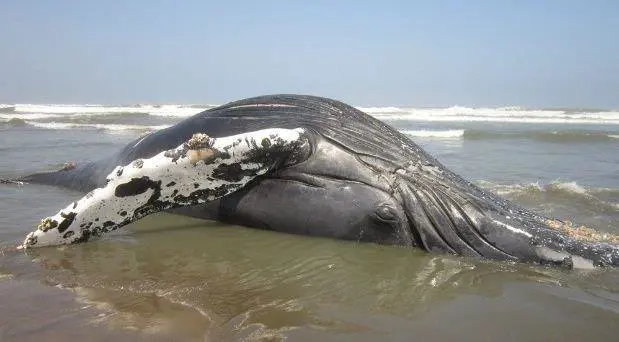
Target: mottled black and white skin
[{"x": 306, "y": 165}]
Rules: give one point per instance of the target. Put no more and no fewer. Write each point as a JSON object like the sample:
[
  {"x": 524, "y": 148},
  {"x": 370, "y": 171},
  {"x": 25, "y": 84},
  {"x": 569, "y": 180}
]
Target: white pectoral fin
[{"x": 198, "y": 171}]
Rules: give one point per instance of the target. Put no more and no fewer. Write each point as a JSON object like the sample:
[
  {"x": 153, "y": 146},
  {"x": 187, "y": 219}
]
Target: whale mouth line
[{"x": 316, "y": 180}]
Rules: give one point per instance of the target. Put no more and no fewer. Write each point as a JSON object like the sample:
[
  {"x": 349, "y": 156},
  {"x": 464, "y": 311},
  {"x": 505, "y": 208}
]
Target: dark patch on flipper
[
  {"x": 153, "y": 204},
  {"x": 194, "y": 197},
  {"x": 85, "y": 237},
  {"x": 232, "y": 173},
  {"x": 136, "y": 186},
  {"x": 170, "y": 184},
  {"x": 68, "y": 219}
]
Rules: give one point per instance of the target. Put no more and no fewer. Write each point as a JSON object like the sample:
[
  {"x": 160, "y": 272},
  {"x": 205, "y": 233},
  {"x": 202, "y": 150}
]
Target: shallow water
[{"x": 174, "y": 278}]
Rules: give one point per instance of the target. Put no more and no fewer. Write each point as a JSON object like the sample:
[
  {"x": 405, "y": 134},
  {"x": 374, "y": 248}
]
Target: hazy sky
[{"x": 466, "y": 52}]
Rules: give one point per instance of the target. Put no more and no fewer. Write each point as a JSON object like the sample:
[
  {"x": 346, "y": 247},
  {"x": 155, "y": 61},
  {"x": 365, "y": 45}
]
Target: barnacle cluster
[{"x": 582, "y": 233}]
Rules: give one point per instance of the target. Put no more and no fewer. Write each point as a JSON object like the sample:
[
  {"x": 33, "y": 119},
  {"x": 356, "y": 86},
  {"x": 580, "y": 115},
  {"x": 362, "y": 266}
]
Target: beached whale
[{"x": 314, "y": 166}]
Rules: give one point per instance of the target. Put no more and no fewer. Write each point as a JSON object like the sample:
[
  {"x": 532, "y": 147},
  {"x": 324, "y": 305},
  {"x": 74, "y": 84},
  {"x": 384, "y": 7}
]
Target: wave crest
[
  {"x": 448, "y": 114},
  {"x": 605, "y": 199},
  {"x": 569, "y": 136},
  {"x": 107, "y": 127},
  {"x": 447, "y": 134},
  {"x": 155, "y": 110},
  {"x": 500, "y": 114},
  {"x": 545, "y": 136}
]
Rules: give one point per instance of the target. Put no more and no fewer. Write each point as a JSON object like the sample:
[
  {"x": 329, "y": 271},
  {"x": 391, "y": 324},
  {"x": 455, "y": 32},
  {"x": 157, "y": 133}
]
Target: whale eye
[{"x": 386, "y": 213}]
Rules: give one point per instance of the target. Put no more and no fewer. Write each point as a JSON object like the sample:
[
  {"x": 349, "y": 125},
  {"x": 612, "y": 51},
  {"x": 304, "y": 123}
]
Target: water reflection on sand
[{"x": 188, "y": 279}]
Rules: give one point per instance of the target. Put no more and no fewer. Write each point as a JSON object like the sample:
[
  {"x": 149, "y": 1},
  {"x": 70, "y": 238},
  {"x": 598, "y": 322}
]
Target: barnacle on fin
[
  {"x": 199, "y": 140},
  {"x": 582, "y": 233},
  {"x": 47, "y": 224}
]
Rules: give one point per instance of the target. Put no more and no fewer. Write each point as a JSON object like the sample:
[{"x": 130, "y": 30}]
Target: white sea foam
[
  {"x": 448, "y": 134},
  {"x": 604, "y": 198},
  {"x": 381, "y": 110},
  {"x": 156, "y": 110},
  {"x": 109, "y": 127},
  {"x": 507, "y": 189},
  {"x": 572, "y": 187},
  {"x": 450, "y": 114},
  {"x": 552, "y": 187},
  {"x": 501, "y": 114},
  {"x": 29, "y": 116}
]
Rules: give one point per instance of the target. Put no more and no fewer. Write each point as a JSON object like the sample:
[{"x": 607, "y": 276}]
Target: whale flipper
[{"x": 200, "y": 170}]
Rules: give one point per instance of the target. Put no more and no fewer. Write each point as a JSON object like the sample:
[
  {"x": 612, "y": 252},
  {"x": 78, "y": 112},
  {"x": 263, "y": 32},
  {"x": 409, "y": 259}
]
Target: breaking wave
[
  {"x": 605, "y": 199},
  {"x": 447, "y": 134},
  {"x": 145, "y": 116},
  {"x": 15, "y": 123},
  {"x": 543, "y": 136},
  {"x": 69, "y": 125},
  {"x": 547, "y": 136},
  {"x": 450, "y": 114},
  {"x": 501, "y": 114},
  {"x": 155, "y": 110}
]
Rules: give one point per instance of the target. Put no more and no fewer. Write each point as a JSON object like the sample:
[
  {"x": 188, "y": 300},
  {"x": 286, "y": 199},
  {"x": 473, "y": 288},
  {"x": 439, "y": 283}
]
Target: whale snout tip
[{"x": 46, "y": 234}]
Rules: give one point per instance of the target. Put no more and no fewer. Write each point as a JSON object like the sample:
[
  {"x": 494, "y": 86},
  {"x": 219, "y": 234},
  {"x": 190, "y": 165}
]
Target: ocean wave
[
  {"x": 139, "y": 121},
  {"x": 602, "y": 198},
  {"x": 446, "y": 134},
  {"x": 501, "y": 114},
  {"x": 15, "y": 123},
  {"x": 29, "y": 116},
  {"x": 107, "y": 127},
  {"x": 155, "y": 110},
  {"x": 546, "y": 136},
  {"x": 556, "y": 186},
  {"x": 569, "y": 136},
  {"x": 7, "y": 108},
  {"x": 511, "y": 114},
  {"x": 381, "y": 110},
  {"x": 524, "y": 120}
]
